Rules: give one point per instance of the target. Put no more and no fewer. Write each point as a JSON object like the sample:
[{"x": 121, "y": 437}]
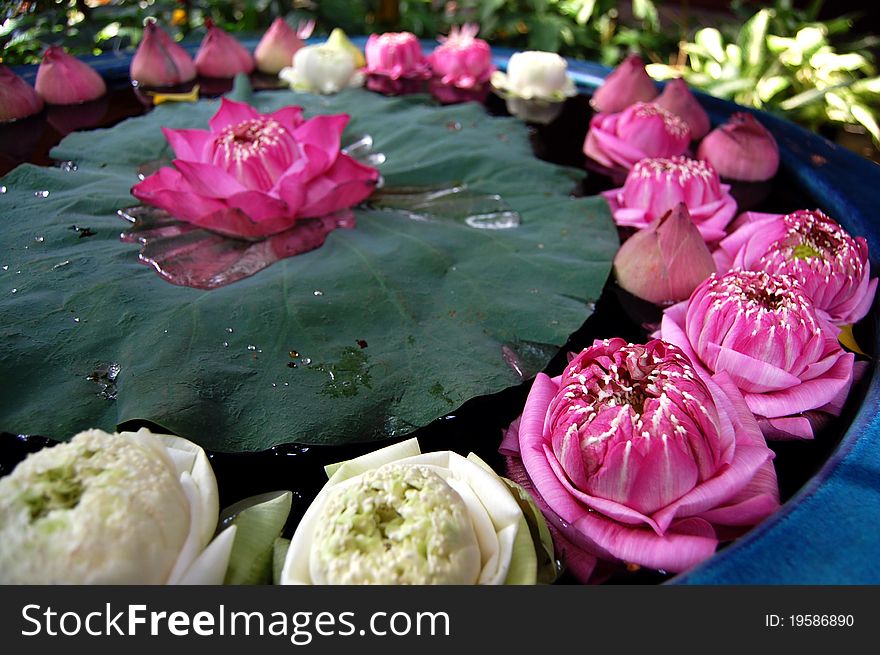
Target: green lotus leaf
[{"x": 383, "y": 329}]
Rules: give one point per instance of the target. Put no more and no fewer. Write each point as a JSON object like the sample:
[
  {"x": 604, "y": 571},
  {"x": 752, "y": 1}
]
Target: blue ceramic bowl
[{"x": 829, "y": 532}]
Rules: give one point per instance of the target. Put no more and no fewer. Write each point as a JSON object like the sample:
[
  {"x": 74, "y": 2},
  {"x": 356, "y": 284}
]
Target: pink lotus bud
[
  {"x": 678, "y": 99},
  {"x": 159, "y": 61},
  {"x": 396, "y": 55},
  {"x": 642, "y": 130},
  {"x": 741, "y": 149},
  {"x": 627, "y": 84},
  {"x": 666, "y": 261},
  {"x": 277, "y": 47},
  {"x": 631, "y": 449},
  {"x": 17, "y": 98},
  {"x": 65, "y": 80},
  {"x": 462, "y": 60},
  {"x": 764, "y": 331},
  {"x": 832, "y": 267},
  {"x": 221, "y": 55},
  {"x": 654, "y": 186}
]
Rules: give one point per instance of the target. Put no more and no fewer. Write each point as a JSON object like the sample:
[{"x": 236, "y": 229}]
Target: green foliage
[{"x": 784, "y": 61}]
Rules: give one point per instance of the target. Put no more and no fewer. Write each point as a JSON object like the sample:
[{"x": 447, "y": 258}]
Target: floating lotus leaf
[{"x": 384, "y": 328}]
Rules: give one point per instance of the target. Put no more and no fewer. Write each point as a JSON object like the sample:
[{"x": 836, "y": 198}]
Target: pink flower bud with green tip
[
  {"x": 221, "y": 55},
  {"x": 627, "y": 84},
  {"x": 654, "y": 186},
  {"x": 18, "y": 99},
  {"x": 159, "y": 61},
  {"x": 396, "y": 55},
  {"x": 253, "y": 175},
  {"x": 641, "y": 131},
  {"x": 279, "y": 44},
  {"x": 763, "y": 330},
  {"x": 65, "y": 80},
  {"x": 678, "y": 99},
  {"x": 666, "y": 261},
  {"x": 741, "y": 149},
  {"x": 641, "y": 459},
  {"x": 832, "y": 267},
  {"x": 462, "y": 60}
]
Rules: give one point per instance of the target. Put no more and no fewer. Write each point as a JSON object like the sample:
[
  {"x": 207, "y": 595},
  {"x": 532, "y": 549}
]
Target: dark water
[{"x": 477, "y": 426}]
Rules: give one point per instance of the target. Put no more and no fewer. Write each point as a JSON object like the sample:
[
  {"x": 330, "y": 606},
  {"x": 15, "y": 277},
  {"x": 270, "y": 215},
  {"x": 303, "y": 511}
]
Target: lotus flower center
[
  {"x": 758, "y": 290},
  {"x": 667, "y": 167},
  {"x": 672, "y": 123},
  {"x": 398, "y": 524},
  {"x": 250, "y": 137}
]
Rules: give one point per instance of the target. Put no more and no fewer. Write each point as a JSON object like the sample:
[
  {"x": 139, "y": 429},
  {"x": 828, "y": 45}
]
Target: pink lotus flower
[
  {"x": 278, "y": 45},
  {"x": 396, "y": 55},
  {"x": 462, "y": 60},
  {"x": 638, "y": 132},
  {"x": 666, "y": 261},
  {"x": 252, "y": 174},
  {"x": 643, "y": 460},
  {"x": 627, "y": 84},
  {"x": 678, "y": 99},
  {"x": 654, "y": 186},
  {"x": 18, "y": 99},
  {"x": 741, "y": 149},
  {"x": 764, "y": 331},
  {"x": 221, "y": 55},
  {"x": 159, "y": 61},
  {"x": 65, "y": 80},
  {"x": 832, "y": 267}
]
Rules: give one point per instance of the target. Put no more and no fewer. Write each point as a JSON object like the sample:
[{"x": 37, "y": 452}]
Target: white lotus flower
[
  {"x": 322, "y": 68},
  {"x": 129, "y": 508},
  {"x": 535, "y": 75},
  {"x": 396, "y": 516}
]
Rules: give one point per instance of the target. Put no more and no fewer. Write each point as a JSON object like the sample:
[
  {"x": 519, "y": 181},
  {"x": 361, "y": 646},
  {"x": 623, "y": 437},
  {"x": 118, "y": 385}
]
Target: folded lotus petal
[
  {"x": 260, "y": 206},
  {"x": 189, "y": 145},
  {"x": 757, "y": 500},
  {"x": 810, "y": 394},
  {"x": 578, "y": 500},
  {"x": 231, "y": 113},
  {"x": 727, "y": 484},
  {"x": 787, "y": 428},
  {"x": 750, "y": 374},
  {"x": 611, "y": 151},
  {"x": 169, "y": 190},
  {"x": 323, "y": 132},
  {"x": 666, "y": 473},
  {"x": 345, "y": 184},
  {"x": 675, "y": 551},
  {"x": 208, "y": 180},
  {"x": 290, "y": 117}
]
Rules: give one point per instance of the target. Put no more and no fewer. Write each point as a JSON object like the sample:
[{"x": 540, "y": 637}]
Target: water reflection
[
  {"x": 448, "y": 204},
  {"x": 189, "y": 256}
]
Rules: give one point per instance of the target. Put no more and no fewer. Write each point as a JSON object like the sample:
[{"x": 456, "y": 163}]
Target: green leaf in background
[
  {"x": 383, "y": 329},
  {"x": 753, "y": 38}
]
